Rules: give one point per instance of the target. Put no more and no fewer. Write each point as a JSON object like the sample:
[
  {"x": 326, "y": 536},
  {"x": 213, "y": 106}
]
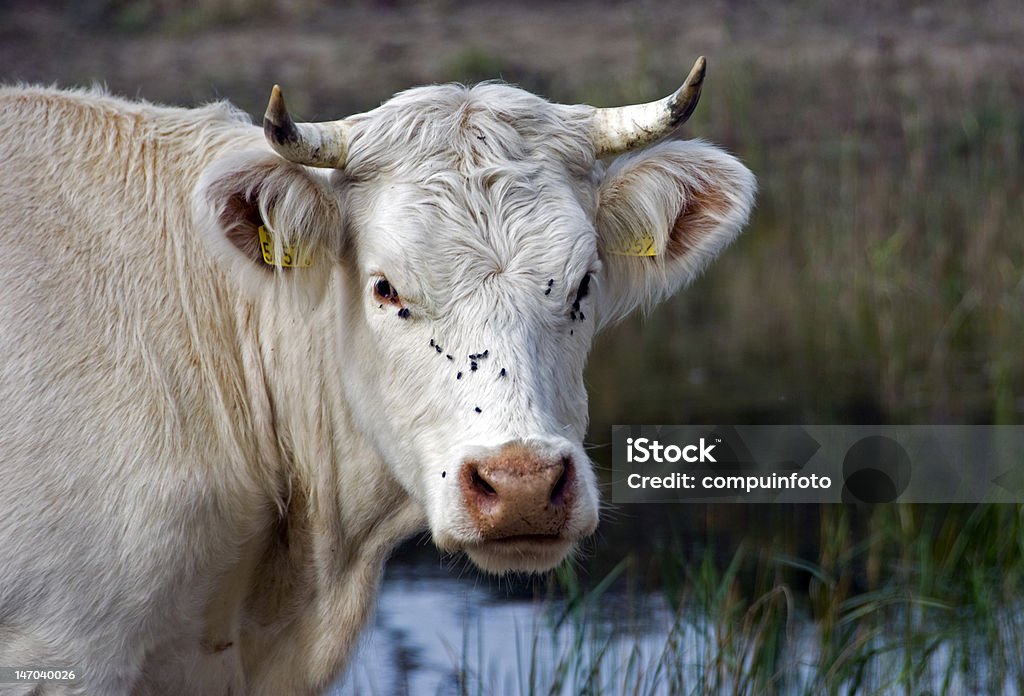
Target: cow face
[{"x": 477, "y": 244}]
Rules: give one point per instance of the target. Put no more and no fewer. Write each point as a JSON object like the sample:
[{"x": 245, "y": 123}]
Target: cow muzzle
[
  {"x": 518, "y": 493},
  {"x": 521, "y": 502}
]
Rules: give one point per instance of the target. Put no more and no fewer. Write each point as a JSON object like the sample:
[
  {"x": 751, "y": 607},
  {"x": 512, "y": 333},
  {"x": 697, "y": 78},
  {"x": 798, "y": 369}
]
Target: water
[
  {"x": 432, "y": 631},
  {"x": 452, "y": 631}
]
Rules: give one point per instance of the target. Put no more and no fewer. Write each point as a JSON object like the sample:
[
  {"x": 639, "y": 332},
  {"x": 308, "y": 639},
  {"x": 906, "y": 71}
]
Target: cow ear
[
  {"x": 664, "y": 214},
  {"x": 270, "y": 221}
]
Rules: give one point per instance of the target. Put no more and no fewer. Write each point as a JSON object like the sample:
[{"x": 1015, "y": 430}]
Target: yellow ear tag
[
  {"x": 637, "y": 246},
  {"x": 291, "y": 257}
]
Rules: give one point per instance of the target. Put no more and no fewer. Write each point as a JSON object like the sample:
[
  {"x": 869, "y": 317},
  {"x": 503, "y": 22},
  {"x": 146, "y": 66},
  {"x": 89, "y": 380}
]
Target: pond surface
[
  {"x": 451, "y": 636},
  {"x": 434, "y": 629}
]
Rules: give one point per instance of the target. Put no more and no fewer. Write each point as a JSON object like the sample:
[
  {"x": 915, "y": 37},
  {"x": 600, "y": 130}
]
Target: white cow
[{"x": 239, "y": 366}]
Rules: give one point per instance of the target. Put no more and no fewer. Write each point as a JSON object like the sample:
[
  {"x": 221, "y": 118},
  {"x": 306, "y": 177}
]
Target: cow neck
[{"x": 361, "y": 510}]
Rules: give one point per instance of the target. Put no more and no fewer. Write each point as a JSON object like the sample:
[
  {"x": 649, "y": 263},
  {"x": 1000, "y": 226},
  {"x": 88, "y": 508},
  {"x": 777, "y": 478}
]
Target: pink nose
[{"x": 517, "y": 492}]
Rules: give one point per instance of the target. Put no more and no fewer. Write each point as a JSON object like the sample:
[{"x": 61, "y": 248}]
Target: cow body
[
  {"x": 205, "y": 458},
  {"x": 151, "y": 522}
]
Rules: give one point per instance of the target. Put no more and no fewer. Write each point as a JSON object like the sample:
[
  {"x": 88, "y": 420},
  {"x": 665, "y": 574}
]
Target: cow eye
[
  {"x": 583, "y": 290},
  {"x": 383, "y": 291}
]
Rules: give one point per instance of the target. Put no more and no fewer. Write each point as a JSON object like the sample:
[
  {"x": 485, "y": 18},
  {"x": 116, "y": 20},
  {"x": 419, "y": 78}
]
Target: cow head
[{"x": 472, "y": 241}]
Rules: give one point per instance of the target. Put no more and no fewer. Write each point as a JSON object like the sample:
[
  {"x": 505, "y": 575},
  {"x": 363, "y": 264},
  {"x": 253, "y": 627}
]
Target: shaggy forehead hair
[
  {"x": 453, "y": 127},
  {"x": 496, "y": 176}
]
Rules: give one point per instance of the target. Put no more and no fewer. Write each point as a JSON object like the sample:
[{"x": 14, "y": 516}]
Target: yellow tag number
[
  {"x": 642, "y": 245},
  {"x": 291, "y": 257}
]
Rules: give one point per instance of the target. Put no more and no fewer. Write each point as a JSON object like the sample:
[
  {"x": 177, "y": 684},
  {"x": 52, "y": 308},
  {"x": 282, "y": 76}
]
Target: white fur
[{"x": 203, "y": 462}]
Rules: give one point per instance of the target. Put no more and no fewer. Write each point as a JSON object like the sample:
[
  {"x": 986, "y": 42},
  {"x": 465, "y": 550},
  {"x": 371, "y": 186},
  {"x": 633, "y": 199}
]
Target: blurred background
[{"x": 881, "y": 280}]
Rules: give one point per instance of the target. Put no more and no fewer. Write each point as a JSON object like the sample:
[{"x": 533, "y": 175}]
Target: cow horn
[
  {"x": 625, "y": 128},
  {"x": 313, "y": 144}
]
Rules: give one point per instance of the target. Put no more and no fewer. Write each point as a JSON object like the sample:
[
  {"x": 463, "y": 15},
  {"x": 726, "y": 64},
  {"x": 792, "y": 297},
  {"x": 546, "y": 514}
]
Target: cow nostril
[
  {"x": 481, "y": 486},
  {"x": 561, "y": 487}
]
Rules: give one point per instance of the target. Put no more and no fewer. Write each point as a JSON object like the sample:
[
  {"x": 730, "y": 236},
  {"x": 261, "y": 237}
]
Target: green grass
[{"x": 899, "y": 600}]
